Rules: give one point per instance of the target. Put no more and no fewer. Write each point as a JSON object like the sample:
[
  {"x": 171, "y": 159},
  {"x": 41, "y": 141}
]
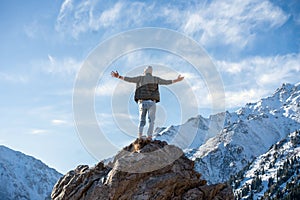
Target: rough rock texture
[{"x": 143, "y": 170}]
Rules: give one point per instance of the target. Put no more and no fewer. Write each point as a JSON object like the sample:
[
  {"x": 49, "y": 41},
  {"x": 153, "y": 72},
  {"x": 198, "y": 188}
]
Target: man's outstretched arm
[
  {"x": 168, "y": 82},
  {"x": 128, "y": 79}
]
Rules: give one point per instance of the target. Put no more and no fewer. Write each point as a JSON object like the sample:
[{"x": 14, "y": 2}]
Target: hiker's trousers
[{"x": 146, "y": 107}]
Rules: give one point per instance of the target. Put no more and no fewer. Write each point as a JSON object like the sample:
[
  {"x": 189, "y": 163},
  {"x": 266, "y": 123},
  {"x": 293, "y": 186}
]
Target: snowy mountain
[
  {"x": 273, "y": 175},
  {"x": 23, "y": 177},
  {"x": 225, "y": 143}
]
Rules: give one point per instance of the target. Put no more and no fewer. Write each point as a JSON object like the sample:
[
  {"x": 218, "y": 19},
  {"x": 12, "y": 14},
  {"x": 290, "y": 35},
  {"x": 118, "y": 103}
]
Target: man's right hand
[
  {"x": 179, "y": 78},
  {"x": 115, "y": 74}
]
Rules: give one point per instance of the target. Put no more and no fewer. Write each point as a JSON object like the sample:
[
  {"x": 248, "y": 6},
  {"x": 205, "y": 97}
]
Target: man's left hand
[{"x": 115, "y": 74}]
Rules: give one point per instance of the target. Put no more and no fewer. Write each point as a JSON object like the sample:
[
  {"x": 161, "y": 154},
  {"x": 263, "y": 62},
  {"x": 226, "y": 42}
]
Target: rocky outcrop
[{"x": 143, "y": 170}]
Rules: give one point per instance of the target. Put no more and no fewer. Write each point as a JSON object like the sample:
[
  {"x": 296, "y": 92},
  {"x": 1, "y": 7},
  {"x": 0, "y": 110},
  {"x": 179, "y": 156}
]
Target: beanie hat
[{"x": 148, "y": 70}]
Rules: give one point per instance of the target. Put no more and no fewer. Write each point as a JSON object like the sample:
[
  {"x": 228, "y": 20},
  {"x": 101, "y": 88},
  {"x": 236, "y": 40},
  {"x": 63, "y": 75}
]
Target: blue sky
[{"x": 254, "y": 45}]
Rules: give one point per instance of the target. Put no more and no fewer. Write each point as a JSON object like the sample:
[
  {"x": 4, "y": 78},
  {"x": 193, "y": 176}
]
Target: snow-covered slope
[
  {"x": 226, "y": 142},
  {"x": 23, "y": 177},
  {"x": 273, "y": 175},
  {"x": 192, "y": 134}
]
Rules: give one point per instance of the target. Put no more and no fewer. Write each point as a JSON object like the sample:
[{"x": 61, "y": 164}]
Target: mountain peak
[
  {"x": 281, "y": 97},
  {"x": 24, "y": 177},
  {"x": 286, "y": 87},
  {"x": 141, "y": 178}
]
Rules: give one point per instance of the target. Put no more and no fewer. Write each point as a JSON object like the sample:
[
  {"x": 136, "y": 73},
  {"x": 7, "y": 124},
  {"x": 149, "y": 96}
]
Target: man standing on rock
[{"x": 146, "y": 95}]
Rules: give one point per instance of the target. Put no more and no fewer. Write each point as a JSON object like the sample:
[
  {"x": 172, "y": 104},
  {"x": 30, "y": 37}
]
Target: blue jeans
[{"x": 146, "y": 107}]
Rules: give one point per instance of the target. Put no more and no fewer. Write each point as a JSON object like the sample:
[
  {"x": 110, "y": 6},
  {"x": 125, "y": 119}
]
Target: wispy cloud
[
  {"x": 73, "y": 17},
  {"x": 252, "y": 78},
  {"x": 217, "y": 22},
  {"x": 38, "y": 131},
  {"x": 13, "y": 78},
  {"x": 79, "y": 17},
  {"x": 231, "y": 22},
  {"x": 58, "y": 122},
  {"x": 239, "y": 98},
  {"x": 262, "y": 71},
  {"x": 109, "y": 17},
  {"x": 60, "y": 66}
]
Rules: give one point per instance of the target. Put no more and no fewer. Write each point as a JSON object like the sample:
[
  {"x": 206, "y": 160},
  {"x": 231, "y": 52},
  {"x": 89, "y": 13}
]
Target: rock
[{"x": 143, "y": 170}]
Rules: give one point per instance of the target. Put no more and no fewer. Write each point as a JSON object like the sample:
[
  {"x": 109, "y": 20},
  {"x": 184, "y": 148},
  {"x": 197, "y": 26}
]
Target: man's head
[{"x": 148, "y": 70}]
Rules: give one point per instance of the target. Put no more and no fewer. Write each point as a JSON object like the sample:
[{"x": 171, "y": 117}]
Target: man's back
[
  {"x": 147, "y": 86},
  {"x": 146, "y": 79}
]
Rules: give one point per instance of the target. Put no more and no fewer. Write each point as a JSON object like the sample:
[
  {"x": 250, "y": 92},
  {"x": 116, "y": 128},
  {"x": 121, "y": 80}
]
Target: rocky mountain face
[
  {"x": 143, "y": 170},
  {"x": 273, "y": 175},
  {"x": 23, "y": 177},
  {"x": 225, "y": 143}
]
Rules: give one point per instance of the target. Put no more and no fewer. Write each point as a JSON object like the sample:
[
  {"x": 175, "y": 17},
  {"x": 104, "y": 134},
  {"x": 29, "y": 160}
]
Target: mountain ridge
[
  {"x": 226, "y": 142},
  {"x": 25, "y": 177}
]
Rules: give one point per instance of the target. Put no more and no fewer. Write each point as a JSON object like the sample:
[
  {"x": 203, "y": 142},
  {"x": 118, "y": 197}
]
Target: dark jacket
[{"x": 147, "y": 87}]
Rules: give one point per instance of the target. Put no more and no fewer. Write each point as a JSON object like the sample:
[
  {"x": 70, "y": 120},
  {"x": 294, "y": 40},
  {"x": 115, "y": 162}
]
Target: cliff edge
[{"x": 143, "y": 170}]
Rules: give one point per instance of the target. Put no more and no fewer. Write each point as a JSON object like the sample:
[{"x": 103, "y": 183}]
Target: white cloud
[
  {"x": 280, "y": 68},
  {"x": 79, "y": 17},
  {"x": 73, "y": 17},
  {"x": 256, "y": 77},
  {"x": 58, "y": 122},
  {"x": 217, "y": 22},
  {"x": 232, "y": 22},
  {"x": 110, "y": 16},
  {"x": 67, "y": 4},
  {"x": 232, "y": 68},
  {"x": 13, "y": 78},
  {"x": 38, "y": 131},
  {"x": 240, "y": 98},
  {"x": 263, "y": 71}
]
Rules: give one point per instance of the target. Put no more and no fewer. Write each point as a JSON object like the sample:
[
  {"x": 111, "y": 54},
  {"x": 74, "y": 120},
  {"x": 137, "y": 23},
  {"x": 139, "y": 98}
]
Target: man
[{"x": 146, "y": 95}]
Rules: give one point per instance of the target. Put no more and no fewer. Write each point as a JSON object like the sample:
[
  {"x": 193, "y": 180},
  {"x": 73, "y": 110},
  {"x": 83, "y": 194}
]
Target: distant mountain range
[
  {"x": 225, "y": 143},
  {"x": 23, "y": 177}
]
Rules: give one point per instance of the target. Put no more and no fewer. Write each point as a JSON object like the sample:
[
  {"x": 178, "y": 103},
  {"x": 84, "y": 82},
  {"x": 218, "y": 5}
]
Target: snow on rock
[{"x": 24, "y": 177}]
